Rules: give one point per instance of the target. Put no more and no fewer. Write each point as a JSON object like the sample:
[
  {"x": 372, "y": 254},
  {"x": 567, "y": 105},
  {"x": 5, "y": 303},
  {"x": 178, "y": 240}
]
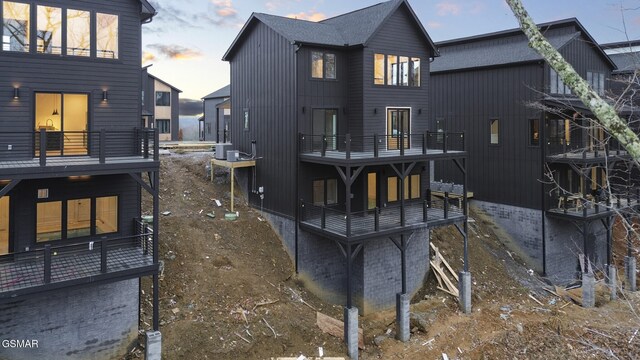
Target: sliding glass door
[{"x": 64, "y": 118}]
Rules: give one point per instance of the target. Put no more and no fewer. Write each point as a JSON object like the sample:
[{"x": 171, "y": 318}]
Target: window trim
[
  {"x": 386, "y": 124},
  {"x": 163, "y": 92},
  {"x": 324, "y": 65},
  {"x": 410, "y": 74},
  {"x": 407, "y": 183},
  {"x": 157, "y": 125}
]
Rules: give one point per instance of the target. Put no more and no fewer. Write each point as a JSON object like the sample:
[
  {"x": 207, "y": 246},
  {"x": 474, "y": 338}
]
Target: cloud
[
  {"x": 224, "y": 8},
  {"x": 220, "y": 13},
  {"x": 310, "y": 16},
  {"x": 477, "y": 7},
  {"x": 147, "y": 57},
  {"x": 434, "y": 25},
  {"x": 273, "y": 5},
  {"x": 190, "y": 107},
  {"x": 448, "y": 8},
  {"x": 175, "y": 52}
]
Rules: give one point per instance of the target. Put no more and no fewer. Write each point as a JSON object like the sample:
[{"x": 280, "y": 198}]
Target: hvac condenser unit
[
  {"x": 233, "y": 155},
  {"x": 221, "y": 151}
]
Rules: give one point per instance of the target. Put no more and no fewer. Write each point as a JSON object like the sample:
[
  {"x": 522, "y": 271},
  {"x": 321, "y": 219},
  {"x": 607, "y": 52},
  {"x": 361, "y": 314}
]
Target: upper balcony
[
  {"x": 579, "y": 152},
  {"x": 41, "y": 154},
  {"x": 381, "y": 149},
  {"x": 51, "y": 267},
  {"x": 577, "y": 206}
]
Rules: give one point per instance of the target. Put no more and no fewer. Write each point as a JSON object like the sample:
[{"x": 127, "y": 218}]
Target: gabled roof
[
  {"x": 626, "y": 62},
  {"x": 147, "y": 11},
  {"x": 508, "y": 52},
  {"x": 164, "y": 82},
  {"x": 352, "y": 29},
  {"x": 223, "y": 92}
]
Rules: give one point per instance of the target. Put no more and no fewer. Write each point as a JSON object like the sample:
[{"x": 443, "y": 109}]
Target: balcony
[
  {"x": 587, "y": 207},
  {"x": 379, "y": 149},
  {"x": 43, "y": 153},
  {"x": 53, "y": 267},
  {"x": 356, "y": 226}
]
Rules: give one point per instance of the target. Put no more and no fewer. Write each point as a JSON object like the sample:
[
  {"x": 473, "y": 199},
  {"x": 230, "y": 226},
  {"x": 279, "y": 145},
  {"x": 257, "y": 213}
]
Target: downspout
[
  {"x": 297, "y": 137},
  {"x": 543, "y": 145}
]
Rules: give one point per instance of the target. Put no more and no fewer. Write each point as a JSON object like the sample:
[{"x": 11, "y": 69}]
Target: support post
[
  {"x": 612, "y": 277},
  {"x": 588, "y": 290},
  {"x": 351, "y": 331},
  {"x": 232, "y": 186},
  {"x": 103, "y": 256},
  {"x": 630, "y": 273},
  {"x": 464, "y": 288},
  {"x": 156, "y": 228},
  {"x": 153, "y": 348},
  {"x": 47, "y": 264},
  {"x": 102, "y": 145},
  {"x": 348, "y": 147},
  {"x": 43, "y": 147},
  {"x": 375, "y": 146},
  {"x": 403, "y": 332}
]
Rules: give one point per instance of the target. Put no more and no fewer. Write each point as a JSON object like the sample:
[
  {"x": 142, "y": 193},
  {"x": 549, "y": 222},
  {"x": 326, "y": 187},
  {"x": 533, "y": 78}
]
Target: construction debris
[
  {"x": 335, "y": 328},
  {"x": 440, "y": 268}
]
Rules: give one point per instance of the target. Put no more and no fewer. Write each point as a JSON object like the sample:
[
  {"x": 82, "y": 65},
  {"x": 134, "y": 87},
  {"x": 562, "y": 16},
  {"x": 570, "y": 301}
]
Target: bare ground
[{"x": 228, "y": 292}]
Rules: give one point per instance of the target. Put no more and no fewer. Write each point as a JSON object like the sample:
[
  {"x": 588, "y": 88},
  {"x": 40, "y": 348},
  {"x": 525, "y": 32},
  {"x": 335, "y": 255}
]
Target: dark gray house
[
  {"x": 626, "y": 56},
  {"x": 538, "y": 170},
  {"x": 160, "y": 106},
  {"x": 214, "y": 125},
  {"x": 338, "y": 111},
  {"x": 73, "y": 157}
]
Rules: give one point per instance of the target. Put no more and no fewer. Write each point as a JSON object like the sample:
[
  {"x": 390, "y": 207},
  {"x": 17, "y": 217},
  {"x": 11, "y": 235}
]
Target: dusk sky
[{"x": 186, "y": 40}]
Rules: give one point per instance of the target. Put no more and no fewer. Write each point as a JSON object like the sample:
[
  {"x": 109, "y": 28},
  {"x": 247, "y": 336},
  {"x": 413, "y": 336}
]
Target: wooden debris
[
  {"x": 536, "y": 300},
  {"x": 335, "y": 328},
  {"x": 264, "y": 303},
  {"x": 270, "y": 328},
  {"x": 240, "y": 336},
  {"x": 444, "y": 273}
]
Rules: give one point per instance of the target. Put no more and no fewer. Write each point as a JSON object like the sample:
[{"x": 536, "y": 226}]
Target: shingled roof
[
  {"x": 482, "y": 50},
  {"x": 351, "y": 29},
  {"x": 626, "y": 62},
  {"x": 223, "y": 92}
]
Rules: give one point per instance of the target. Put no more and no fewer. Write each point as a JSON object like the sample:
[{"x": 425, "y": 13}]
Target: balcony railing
[
  {"x": 586, "y": 206},
  {"x": 578, "y": 150},
  {"x": 101, "y": 145},
  {"x": 55, "y": 265},
  {"x": 356, "y": 147},
  {"x": 369, "y": 222}
]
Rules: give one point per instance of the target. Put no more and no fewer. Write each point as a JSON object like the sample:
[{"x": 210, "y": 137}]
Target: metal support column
[{"x": 156, "y": 221}]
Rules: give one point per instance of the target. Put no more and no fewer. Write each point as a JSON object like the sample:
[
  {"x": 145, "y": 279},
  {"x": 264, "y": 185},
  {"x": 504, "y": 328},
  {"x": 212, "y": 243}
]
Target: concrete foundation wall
[{"x": 95, "y": 322}]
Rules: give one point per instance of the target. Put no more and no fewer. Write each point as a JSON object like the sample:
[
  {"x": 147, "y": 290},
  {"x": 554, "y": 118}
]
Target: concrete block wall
[
  {"x": 524, "y": 227},
  {"x": 96, "y": 322}
]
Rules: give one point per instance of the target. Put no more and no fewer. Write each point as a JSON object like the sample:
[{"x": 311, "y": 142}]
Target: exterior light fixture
[
  {"x": 105, "y": 96},
  {"x": 375, "y": 110},
  {"x": 16, "y": 93}
]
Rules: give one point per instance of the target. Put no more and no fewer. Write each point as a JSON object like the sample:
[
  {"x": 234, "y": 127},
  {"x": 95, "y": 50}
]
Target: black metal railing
[
  {"x": 347, "y": 146},
  {"x": 583, "y": 149},
  {"x": 587, "y": 205},
  {"x": 58, "y": 263},
  {"x": 395, "y": 216},
  {"x": 103, "y": 144}
]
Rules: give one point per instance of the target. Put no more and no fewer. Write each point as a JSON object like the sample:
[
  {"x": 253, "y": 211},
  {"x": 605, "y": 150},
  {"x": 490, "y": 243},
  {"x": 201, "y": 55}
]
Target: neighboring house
[
  {"x": 160, "y": 106},
  {"x": 214, "y": 125},
  {"x": 538, "y": 170},
  {"x": 338, "y": 110},
  {"x": 73, "y": 248},
  {"x": 626, "y": 56}
]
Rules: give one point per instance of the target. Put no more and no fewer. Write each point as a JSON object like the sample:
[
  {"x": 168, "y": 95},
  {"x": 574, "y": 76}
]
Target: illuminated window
[
  {"x": 49, "y": 221},
  {"x": 495, "y": 131},
  {"x": 106, "y": 215},
  {"x": 378, "y": 69},
  {"x": 78, "y": 32},
  {"x": 78, "y": 218},
  {"x": 107, "y": 36},
  {"x": 400, "y": 70},
  {"x": 49, "y": 34},
  {"x": 392, "y": 189},
  {"x": 392, "y": 70},
  {"x": 404, "y": 71},
  {"x": 4, "y": 225},
  {"x": 415, "y": 74},
  {"x": 534, "y": 132},
  {"x": 15, "y": 30},
  {"x": 372, "y": 190}
]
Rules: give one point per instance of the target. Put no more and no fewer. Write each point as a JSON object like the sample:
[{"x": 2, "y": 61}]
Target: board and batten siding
[
  {"x": 33, "y": 72},
  {"x": 507, "y": 173},
  {"x": 399, "y": 35},
  {"x": 263, "y": 81}
]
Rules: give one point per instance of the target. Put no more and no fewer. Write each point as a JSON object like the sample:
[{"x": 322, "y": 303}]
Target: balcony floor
[
  {"x": 28, "y": 273},
  {"x": 383, "y": 155},
  {"x": 73, "y": 164},
  {"x": 577, "y": 213},
  {"x": 587, "y": 157}
]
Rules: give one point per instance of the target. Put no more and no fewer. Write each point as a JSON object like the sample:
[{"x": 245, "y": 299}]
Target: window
[
  {"x": 559, "y": 132},
  {"x": 107, "y": 36},
  {"x": 534, "y": 132},
  {"x": 399, "y": 70},
  {"x": 398, "y": 124},
  {"x": 245, "y": 119},
  {"x": 414, "y": 187},
  {"x": 596, "y": 81},
  {"x": 78, "y": 32},
  {"x": 106, "y": 215},
  {"x": 323, "y": 65},
  {"x": 78, "y": 218},
  {"x": 15, "y": 30},
  {"x": 163, "y": 98},
  {"x": 392, "y": 189},
  {"x": 372, "y": 190},
  {"x": 440, "y": 128},
  {"x": 556, "y": 86},
  {"x": 49, "y": 221},
  {"x": 49, "y": 31},
  {"x": 378, "y": 69},
  {"x": 495, "y": 131},
  {"x": 325, "y": 122},
  {"x": 164, "y": 126},
  {"x": 4, "y": 225},
  {"x": 411, "y": 189},
  {"x": 325, "y": 192}
]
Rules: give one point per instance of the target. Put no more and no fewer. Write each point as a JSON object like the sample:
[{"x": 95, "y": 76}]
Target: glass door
[
  {"x": 4, "y": 225},
  {"x": 325, "y": 122},
  {"x": 64, "y": 117},
  {"x": 372, "y": 190},
  {"x": 398, "y": 122}
]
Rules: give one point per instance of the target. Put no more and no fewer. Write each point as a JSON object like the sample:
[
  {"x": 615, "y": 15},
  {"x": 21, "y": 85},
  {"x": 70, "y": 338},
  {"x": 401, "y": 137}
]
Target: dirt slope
[{"x": 226, "y": 285}]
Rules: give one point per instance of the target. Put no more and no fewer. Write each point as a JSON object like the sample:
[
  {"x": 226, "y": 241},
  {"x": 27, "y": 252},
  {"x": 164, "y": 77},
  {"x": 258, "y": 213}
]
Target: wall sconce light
[
  {"x": 419, "y": 111},
  {"x": 303, "y": 109},
  {"x": 344, "y": 110},
  {"x": 105, "y": 96},
  {"x": 16, "y": 93},
  {"x": 375, "y": 110}
]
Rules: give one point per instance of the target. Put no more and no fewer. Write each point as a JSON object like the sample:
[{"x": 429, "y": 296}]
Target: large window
[
  {"x": 4, "y": 225},
  {"x": 400, "y": 70},
  {"x": 323, "y": 65},
  {"x": 78, "y": 218},
  {"x": 556, "y": 86},
  {"x": 106, "y": 215},
  {"x": 325, "y": 192},
  {"x": 325, "y": 122},
  {"x": 49, "y": 221},
  {"x": 534, "y": 132},
  {"x": 15, "y": 29},
  {"x": 596, "y": 80},
  {"x": 372, "y": 190},
  {"x": 559, "y": 132},
  {"x": 495, "y": 131},
  {"x": 49, "y": 32},
  {"x": 79, "y": 33},
  {"x": 411, "y": 188},
  {"x": 107, "y": 36},
  {"x": 164, "y": 126},
  {"x": 398, "y": 126},
  {"x": 163, "y": 98}
]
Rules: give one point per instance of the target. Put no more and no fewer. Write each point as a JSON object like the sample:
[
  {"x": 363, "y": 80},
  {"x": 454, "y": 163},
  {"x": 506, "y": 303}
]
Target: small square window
[
  {"x": 163, "y": 98},
  {"x": 43, "y": 193}
]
